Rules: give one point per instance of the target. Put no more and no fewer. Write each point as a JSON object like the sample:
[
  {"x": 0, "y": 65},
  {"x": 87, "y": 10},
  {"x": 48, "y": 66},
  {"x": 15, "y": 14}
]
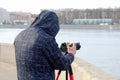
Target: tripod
[
  {"x": 67, "y": 70},
  {"x": 70, "y": 74}
]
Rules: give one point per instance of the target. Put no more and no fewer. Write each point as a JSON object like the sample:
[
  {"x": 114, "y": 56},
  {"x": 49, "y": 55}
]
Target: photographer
[{"x": 37, "y": 53}]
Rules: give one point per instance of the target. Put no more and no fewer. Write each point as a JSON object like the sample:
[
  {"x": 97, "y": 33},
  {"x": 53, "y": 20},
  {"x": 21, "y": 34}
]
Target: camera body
[{"x": 63, "y": 46}]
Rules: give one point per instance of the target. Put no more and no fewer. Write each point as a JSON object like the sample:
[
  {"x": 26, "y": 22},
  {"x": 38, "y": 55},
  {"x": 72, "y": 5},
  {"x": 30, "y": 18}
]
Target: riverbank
[
  {"x": 97, "y": 27},
  {"x": 103, "y": 27}
]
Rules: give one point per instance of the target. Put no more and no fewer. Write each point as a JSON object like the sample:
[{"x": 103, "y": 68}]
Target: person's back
[{"x": 36, "y": 50}]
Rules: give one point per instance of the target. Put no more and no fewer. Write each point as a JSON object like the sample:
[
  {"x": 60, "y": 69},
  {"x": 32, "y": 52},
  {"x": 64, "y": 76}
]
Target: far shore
[{"x": 104, "y": 27}]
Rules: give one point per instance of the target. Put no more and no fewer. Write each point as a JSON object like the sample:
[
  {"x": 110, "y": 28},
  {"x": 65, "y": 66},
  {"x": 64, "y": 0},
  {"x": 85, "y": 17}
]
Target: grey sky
[{"x": 34, "y": 6}]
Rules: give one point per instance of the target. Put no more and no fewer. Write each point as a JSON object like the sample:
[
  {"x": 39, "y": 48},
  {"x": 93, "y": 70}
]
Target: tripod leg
[
  {"x": 58, "y": 74},
  {"x": 66, "y": 74},
  {"x": 71, "y": 73}
]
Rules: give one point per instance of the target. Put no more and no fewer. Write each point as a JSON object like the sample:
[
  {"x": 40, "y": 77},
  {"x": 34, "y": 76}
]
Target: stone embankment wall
[{"x": 82, "y": 70}]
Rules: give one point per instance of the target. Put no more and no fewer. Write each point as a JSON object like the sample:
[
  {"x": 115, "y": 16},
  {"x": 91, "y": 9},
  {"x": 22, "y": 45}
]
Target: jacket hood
[{"x": 48, "y": 21}]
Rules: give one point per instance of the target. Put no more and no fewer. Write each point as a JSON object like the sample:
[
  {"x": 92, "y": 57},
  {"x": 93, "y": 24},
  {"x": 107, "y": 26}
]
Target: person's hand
[{"x": 71, "y": 49}]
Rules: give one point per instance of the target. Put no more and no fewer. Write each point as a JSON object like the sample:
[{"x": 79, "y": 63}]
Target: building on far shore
[
  {"x": 21, "y": 18},
  {"x": 16, "y": 17},
  {"x": 93, "y": 22},
  {"x": 4, "y": 16}
]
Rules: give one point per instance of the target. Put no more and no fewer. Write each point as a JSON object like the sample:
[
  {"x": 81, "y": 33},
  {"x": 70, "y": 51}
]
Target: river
[{"x": 99, "y": 47}]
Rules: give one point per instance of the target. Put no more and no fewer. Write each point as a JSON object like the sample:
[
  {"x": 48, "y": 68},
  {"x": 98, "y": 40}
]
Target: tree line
[{"x": 66, "y": 16}]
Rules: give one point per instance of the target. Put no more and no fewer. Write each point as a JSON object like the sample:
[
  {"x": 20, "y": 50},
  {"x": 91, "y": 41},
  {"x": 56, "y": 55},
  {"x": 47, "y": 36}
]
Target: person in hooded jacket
[{"x": 37, "y": 52}]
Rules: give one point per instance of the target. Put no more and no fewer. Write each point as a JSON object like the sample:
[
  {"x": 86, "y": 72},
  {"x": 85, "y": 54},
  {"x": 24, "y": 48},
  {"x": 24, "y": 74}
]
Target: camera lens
[{"x": 78, "y": 46}]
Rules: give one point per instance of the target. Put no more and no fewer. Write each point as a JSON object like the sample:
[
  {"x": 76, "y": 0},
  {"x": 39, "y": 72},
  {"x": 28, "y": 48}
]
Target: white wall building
[{"x": 4, "y": 16}]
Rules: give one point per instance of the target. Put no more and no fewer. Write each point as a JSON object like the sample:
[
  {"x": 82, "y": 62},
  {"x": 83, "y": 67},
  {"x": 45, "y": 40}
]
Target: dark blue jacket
[{"x": 37, "y": 53}]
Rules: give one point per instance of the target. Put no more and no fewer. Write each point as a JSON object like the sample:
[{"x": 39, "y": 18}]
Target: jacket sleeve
[{"x": 55, "y": 56}]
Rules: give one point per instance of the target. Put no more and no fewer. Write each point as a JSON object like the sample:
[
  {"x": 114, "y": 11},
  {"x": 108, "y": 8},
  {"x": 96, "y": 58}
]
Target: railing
[{"x": 82, "y": 70}]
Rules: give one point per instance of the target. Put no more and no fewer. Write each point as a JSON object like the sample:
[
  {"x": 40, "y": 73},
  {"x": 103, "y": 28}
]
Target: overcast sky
[{"x": 34, "y": 6}]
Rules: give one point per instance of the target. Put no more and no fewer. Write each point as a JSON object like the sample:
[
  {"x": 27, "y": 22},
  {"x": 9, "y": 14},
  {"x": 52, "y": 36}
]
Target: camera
[{"x": 63, "y": 46}]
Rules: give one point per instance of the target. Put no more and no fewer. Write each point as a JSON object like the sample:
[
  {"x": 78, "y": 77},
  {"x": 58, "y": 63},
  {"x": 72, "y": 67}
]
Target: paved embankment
[
  {"x": 7, "y": 71},
  {"x": 81, "y": 69}
]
